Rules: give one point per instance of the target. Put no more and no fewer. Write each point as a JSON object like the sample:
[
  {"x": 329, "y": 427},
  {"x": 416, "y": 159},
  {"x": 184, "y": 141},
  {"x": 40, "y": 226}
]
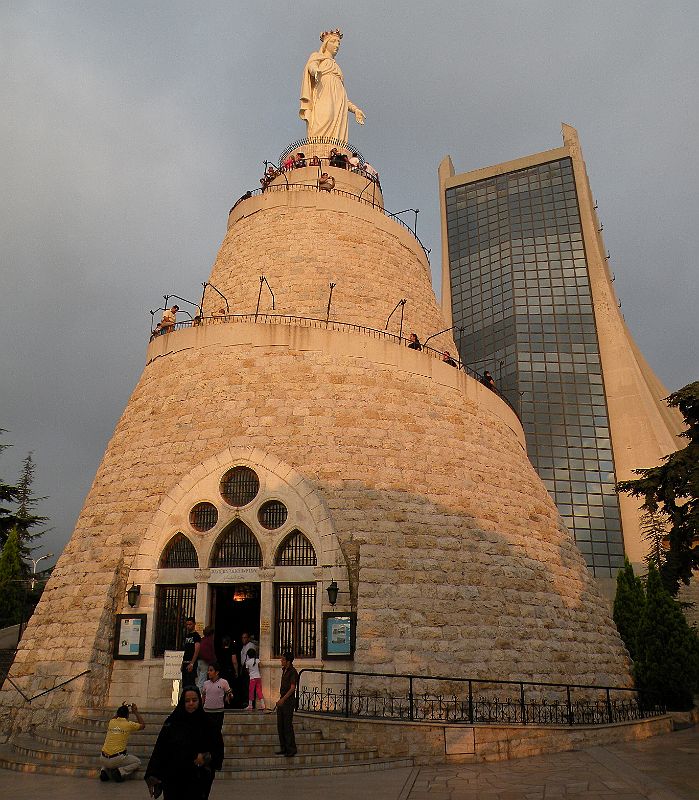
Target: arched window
[
  {"x": 179, "y": 552},
  {"x": 296, "y": 551},
  {"x": 236, "y": 547}
]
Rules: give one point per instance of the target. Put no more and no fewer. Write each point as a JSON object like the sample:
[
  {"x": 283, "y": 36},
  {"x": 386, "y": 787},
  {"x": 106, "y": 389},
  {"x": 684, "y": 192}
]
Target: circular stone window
[
  {"x": 272, "y": 514},
  {"x": 203, "y": 517},
  {"x": 239, "y": 486}
]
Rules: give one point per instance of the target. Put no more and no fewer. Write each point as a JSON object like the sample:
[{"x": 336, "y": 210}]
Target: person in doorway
[
  {"x": 115, "y": 760},
  {"x": 252, "y": 665},
  {"x": 228, "y": 664},
  {"x": 242, "y": 690},
  {"x": 215, "y": 691},
  {"x": 192, "y": 643},
  {"x": 285, "y": 707},
  {"x": 207, "y": 655},
  {"x": 187, "y": 753}
]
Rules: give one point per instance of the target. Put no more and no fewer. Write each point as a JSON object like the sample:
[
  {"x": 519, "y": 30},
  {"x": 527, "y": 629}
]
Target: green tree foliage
[
  {"x": 27, "y": 520},
  {"x": 672, "y": 490},
  {"x": 12, "y": 581},
  {"x": 667, "y": 649},
  {"x": 628, "y": 607},
  {"x": 654, "y": 529},
  {"x": 8, "y": 494}
]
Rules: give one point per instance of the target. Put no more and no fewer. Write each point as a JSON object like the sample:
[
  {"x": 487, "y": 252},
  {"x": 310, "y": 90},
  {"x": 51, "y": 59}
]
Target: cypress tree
[
  {"x": 667, "y": 664},
  {"x": 628, "y": 607},
  {"x": 12, "y": 581}
]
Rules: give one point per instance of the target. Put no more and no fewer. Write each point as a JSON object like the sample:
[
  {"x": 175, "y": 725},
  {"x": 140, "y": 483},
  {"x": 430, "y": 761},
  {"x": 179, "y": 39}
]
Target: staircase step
[
  {"x": 10, "y": 759},
  {"x": 29, "y": 747},
  {"x": 141, "y": 743}
]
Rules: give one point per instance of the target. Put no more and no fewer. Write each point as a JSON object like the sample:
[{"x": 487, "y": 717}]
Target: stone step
[
  {"x": 283, "y": 767},
  {"x": 141, "y": 744},
  {"x": 98, "y": 721},
  {"x": 29, "y": 746}
]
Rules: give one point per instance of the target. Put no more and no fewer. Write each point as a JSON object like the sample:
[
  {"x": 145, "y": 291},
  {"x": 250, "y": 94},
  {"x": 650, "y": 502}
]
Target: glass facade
[{"x": 522, "y": 304}]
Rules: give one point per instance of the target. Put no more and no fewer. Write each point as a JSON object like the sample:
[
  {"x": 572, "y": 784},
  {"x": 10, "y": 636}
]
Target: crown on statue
[{"x": 324, "y": 35}]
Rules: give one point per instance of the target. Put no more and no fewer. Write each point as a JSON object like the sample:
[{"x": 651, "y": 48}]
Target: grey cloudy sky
[{"x": 128, "y": 129}]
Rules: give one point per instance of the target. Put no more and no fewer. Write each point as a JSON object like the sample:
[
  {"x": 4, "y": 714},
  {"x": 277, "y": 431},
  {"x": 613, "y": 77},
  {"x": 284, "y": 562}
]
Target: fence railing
[
  {"x": 325, "y": 324},
  {"x": 420, "y": 698},
  {"x": 314, "y": 187}
]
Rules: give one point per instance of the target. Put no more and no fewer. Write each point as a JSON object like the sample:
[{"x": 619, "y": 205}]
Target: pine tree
[
  {"x": 672, "y": 490},
  {"x": 628, "y": 607},
  {"x": 26, "y": 519},
  {"x": 12, "y": 581},
  {"x": 654, "y": 531},
  {"x": 667, "y": 664},
  {"x": 8, "y": 494}
]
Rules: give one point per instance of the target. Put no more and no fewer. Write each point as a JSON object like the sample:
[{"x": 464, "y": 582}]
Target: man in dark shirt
[
  {"x": 447, "y": 359},
  {"x": 192, "y": 643},
  {"x": 285, "y": 707}
]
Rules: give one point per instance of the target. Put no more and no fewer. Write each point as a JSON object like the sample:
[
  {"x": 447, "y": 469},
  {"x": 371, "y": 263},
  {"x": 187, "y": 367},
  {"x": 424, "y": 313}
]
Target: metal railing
[
  {"x": 327, "y": 324},
  {"x": 471, "y": 700},
  {"x": 299, "y": 144},
  {"x": 46, "y": 691},
  {"x": 314, "y": 187}
]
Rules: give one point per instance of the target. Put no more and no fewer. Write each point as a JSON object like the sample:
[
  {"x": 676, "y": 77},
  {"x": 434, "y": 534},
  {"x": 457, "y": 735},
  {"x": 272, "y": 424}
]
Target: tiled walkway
[{"x": 662, "y": 768}]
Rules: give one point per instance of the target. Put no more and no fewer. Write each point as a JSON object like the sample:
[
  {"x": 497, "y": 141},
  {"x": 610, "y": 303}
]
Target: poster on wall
[
  {"x": 339, "y": 635},
  {"x": 130, "y": 636}
]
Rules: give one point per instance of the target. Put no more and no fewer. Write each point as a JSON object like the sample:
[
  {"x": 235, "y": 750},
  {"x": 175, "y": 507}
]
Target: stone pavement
[{"x": 661, "y": 768}]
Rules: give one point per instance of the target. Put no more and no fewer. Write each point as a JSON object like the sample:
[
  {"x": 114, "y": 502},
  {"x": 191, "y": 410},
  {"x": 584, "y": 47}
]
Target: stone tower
[{"x": 405, "y": 479}]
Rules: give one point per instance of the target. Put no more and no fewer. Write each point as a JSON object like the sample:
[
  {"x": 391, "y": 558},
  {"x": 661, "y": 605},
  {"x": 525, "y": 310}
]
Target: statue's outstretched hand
[{"x": 359, "y": 115}]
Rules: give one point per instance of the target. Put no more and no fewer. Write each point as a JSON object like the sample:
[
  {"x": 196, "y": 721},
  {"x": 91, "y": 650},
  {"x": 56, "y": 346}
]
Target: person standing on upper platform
[{"x": 324, "y": 101}]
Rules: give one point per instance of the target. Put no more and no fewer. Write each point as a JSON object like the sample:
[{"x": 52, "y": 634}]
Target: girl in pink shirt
[{"x": 215, "y": 691}]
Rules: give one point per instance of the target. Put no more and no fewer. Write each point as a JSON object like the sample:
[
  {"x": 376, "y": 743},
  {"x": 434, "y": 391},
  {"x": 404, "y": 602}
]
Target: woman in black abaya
[{"x": 187, "y": 753}]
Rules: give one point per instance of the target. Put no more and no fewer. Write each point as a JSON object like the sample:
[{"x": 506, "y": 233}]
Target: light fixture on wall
[
  {"x": 332, "y": 591},
  {"x": 132, "y": 594}
]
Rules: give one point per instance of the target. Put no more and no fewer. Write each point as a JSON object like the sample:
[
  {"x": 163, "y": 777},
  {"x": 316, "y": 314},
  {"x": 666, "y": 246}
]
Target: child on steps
[{"x": 252, "y": 665}]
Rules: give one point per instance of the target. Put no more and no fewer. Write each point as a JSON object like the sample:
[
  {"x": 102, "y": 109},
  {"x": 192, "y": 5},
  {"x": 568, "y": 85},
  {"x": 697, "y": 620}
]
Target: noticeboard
[
  {"x": 130, "y": 636},
  {"x": 339, "y": 634}
]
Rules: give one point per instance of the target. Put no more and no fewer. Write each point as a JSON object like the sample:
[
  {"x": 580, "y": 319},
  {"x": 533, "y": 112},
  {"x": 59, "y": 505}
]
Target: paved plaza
[{"x": 661, "y": 768}]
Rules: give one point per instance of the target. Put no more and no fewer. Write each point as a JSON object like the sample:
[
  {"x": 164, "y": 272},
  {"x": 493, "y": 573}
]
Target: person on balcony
[
  {"x": 326, "y": 182},
  {"x": 447, "y": 359},
  {"x": 487, "y": 380},
  {"x": 169, "y": 319},
  {"x": 414, "y": 343}
]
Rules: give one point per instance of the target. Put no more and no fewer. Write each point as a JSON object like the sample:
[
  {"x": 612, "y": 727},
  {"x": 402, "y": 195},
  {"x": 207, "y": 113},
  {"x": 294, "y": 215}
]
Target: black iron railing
[
  {"x": 313, "y": 322},
  {"x": 314, "y": 187},
  {"x": 299, "y": 144},
  {"x": 419, "y": 698}
]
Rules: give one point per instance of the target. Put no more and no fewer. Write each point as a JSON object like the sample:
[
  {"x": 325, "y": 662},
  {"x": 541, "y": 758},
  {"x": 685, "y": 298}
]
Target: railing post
[
  {"x": 410, "y": 697},
  {"x": 522, "y": 705},
  {"x": 609, "y": 708},
  {"x": 569, "y": 706},
  {"x": 347, "y": 694},
  {"x": 470, "y": 702}
]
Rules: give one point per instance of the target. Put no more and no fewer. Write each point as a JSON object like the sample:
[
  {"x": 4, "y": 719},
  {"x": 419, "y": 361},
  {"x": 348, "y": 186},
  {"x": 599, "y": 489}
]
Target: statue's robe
[{"x": 324, "y": 101}]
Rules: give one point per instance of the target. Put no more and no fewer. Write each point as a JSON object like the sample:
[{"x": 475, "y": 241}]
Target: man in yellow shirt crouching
[{"x": 115, "y": 760}]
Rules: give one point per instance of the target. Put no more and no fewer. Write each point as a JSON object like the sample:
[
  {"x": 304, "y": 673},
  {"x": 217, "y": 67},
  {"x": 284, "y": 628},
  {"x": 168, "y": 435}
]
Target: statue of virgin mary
[{"x": 324, "y": 101}]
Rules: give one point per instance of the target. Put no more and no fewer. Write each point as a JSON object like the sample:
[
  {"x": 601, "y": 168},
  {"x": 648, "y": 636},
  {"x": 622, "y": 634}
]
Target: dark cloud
[{"x": 128, "y": 129}]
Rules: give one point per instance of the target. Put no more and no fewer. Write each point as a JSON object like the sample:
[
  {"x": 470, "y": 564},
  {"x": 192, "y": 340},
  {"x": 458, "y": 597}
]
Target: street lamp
[{"x": 35, "y": 561}]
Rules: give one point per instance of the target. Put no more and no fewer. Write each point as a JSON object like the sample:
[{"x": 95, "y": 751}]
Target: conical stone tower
[{"x": 407, "y": 477}]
